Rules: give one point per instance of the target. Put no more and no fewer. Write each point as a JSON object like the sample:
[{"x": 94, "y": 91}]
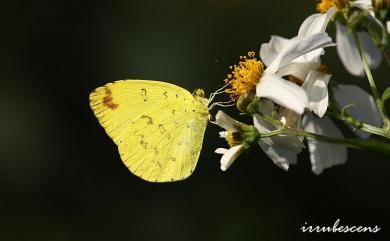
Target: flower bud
[{"x": 248, "y": 103}]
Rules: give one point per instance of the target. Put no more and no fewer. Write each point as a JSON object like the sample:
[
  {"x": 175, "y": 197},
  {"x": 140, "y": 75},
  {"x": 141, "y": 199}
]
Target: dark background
[{"x": 61, "y": 177}]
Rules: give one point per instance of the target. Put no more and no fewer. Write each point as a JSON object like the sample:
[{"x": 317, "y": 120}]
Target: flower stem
[
  {"x": 370, "y": 145},
  {"x": 371, "y": 82},
  {"x": 358, "y": 124}
]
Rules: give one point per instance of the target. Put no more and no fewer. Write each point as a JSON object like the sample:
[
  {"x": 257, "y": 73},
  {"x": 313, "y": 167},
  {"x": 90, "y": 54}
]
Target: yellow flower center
[
  {"x": 233, "y": 138},
  {"x": 324, "y": 5},
  {"x": 244, "y": 76}
]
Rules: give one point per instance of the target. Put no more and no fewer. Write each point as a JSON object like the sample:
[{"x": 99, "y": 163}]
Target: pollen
[
  {"x": 324, "y": 5},
  {"x": 244, "y": 76}
]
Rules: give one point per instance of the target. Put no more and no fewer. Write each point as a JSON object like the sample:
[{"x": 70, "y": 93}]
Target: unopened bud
[{"x": 248, "y": 103}]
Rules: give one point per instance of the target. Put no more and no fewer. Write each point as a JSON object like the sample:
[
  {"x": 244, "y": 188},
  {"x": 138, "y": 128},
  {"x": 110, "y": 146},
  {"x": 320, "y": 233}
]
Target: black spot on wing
[
  {"x": 143, "y": 94},
  {"x": 148, "y": 118}
]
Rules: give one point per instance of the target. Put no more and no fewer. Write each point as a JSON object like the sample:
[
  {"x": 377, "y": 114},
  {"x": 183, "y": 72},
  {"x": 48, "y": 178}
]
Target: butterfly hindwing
[{"x": 157, "y": 126}]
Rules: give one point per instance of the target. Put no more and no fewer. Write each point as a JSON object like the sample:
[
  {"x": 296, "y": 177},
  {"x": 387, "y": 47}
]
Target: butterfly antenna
[
  {"x": 222, "y": 104},
  {"x": 217, "y": 92}
]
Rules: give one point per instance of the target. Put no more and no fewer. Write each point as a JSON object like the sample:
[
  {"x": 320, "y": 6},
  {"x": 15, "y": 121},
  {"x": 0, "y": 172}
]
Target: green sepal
[
  {"x": 386, "y": 94},
  {"x": 345, "y": 109},
  {"x": 348, "y": 118},
  {"x": 250, "y": 135}
]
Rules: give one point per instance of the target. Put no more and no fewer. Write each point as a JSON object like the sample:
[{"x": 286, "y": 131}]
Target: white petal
[
  {"x": 349, "y": 54},
  {"x": 347, "y": 51},
  {"x": 225, "y": 121},
  {"x": 269, "y": 51},
  {"x": 299, "y": 70},
  {"x": 300, "y": 47},
  {"x": 230, "y": 156},
  {"x": 373, "y": 54},
  {"x": 282, "y": 92},
  {"x": 292, "y": 119},
  {"x": 364, "y": 109},
  {"x": 316, "y": 86},
  {"x": 263, "y": 127},
  {"x": 290, "y": 143},
  {"x": 266, "y": 107},
  {"x": 223, "y": 134},
  {"x": 364, "y": 5},
  {"x": 388, "y": 26},
  {"x": 316, "y": 23},
  {"x": 280, "y": 156},
  {"x": 221, "y": 151},
  {"x": 282, "y": 150},
  {"x": 323, "y": 154}
]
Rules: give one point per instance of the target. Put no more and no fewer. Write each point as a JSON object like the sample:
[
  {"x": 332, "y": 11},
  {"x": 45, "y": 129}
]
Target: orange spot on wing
[{"x": 108, "y": 100}]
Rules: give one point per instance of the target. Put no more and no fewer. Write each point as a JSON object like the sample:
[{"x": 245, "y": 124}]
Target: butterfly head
[
  {"x": 199, "y": 97},
  {"x": 199, "y": 93}
]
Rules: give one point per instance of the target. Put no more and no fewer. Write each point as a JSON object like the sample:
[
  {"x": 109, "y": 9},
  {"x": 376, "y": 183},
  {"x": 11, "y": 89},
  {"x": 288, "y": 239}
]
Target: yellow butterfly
[{"x": 158, "y": 127}]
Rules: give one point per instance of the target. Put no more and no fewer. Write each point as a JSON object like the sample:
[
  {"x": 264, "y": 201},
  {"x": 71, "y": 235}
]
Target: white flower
[
  {"x": 282, "y": 150},
  {"x": 282, "y": 92},
  {"x": 285, "y": 57},
  {"x": 230, "y": 125},
  {"x": 316, "y": 86},
  {"x": 349, "y": 53},
  {"x": 279, "y": 90},
  {"x": 363, "y": 109},
  {"x": 323, "y": 154},
  {"x": 346, "y": 46},
  {"x": 311, "y": 36},
  {"x": 229, "y": 155},
  {"x": 298, "y": 57},
  {"x": 299, "y": 48}
]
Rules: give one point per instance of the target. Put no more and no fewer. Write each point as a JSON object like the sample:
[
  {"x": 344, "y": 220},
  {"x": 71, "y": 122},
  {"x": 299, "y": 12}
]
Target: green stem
[
  {"x": 370, "y": 145},
  {"x": 358, "y": 124},
  {"x": 371, "y": 81},
  {"x": 271, "y": 133}
]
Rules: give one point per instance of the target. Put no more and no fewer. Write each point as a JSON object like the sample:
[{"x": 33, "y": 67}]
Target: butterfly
[{"x": 158, "y": 127}]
